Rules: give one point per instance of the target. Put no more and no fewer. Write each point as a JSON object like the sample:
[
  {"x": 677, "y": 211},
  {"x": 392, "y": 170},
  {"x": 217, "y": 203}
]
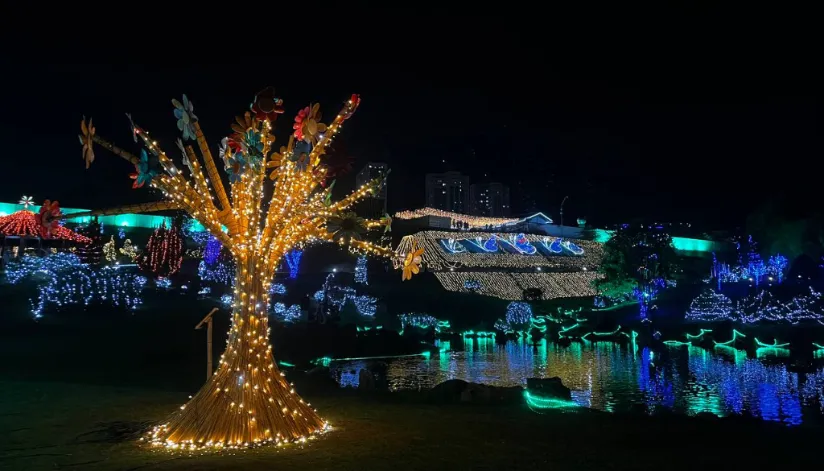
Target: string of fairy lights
[
  {"x": 711, "y": 306},
  {"x": 471, "y": 221},
  {"x": 511, "y": 286}
]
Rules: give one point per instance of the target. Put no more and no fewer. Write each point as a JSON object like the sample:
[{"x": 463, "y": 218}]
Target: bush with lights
[{"x": 248, "y": 402}]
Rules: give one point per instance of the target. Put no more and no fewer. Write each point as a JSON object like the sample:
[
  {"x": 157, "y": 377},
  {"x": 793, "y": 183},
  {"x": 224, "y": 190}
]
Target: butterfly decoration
[
  {"x": 184, "y": 112},
  {"x": 144, "y": 173},
  {"x": 86, "y": 139}
]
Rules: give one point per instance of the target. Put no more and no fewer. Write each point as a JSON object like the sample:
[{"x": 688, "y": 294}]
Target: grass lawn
[{"x": 47, "y": 426}]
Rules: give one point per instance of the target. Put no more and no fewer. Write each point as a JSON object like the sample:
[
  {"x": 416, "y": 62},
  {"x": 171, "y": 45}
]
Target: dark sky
[{"x": 691, "y": 130}]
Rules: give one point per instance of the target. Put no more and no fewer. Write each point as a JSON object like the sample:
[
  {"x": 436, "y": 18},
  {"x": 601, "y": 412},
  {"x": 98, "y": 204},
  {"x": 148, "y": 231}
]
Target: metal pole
[
  {"x": 208, "y": 321},
  {"x": 562, "y": 215}
]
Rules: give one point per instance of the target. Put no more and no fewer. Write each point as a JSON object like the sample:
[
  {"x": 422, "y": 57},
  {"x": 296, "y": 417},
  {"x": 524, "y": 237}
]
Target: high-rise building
[
  {"x": 448, "y": 191},
  {"x": 489, "y": 199},
  {"x": 373, "y": 207}
]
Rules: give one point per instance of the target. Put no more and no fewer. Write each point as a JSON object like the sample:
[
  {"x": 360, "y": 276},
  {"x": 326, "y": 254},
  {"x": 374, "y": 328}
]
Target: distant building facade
[
  {"x": 489, "y": 199},
  {"x": 448, "y": 191},
  {"x": 373, "y": 207}
]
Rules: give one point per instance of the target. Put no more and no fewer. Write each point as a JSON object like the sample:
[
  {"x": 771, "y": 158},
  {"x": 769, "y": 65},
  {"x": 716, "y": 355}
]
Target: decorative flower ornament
[
  {"x": 275, "y": 161},
  {"x": 26, "y": 201},
  {"x": 307, "y": 124},
  {"x": 236, "y": 167},
  {"x": 48, "y": 218},
  {"x": 242, "y": 125},
  {"x": 266, "y": 105},
  {"x": 253, "y": 145},
  {"x": 351, "y": 106},
  {"x": 184, "y": 112},
  {"x": 144, "y": 174},
  {"x": 87, "y": 138},
  {"x": 412, "y": 263},
  {"x": 346, "y": 227}
]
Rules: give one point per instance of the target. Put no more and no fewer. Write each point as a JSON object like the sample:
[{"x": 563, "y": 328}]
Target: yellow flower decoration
[
  {"x": 86, "y": 139},
  {"x": 275, "y": 161},
  {"x": 412, "y": 264}
]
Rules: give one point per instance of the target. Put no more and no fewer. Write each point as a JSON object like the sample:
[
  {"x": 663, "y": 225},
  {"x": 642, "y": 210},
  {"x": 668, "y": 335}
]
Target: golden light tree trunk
[{"x": 247, "y": 400}]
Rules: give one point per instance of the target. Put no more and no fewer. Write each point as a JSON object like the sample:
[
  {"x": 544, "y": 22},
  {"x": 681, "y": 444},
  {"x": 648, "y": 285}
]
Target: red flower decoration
[
  {"x": 298, "y": 126},
  {"x": 267, "y": 105},
  {"x": 48, "y": 218},
  {"x": 351, "y": 106}
]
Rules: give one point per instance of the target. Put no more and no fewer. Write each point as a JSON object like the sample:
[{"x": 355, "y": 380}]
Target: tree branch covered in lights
[{"x": 248, "y": 402}]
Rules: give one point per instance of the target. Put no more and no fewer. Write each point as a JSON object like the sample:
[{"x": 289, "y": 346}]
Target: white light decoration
[
  {"x": 472, "y": 221},
  {"x": 511, "y": 286}
]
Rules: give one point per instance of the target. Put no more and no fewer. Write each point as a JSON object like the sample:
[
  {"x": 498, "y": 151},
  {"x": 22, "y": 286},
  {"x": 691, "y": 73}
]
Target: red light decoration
[
  {"x": 164, "y": 251},
  {"x": 27, "y": 224}
]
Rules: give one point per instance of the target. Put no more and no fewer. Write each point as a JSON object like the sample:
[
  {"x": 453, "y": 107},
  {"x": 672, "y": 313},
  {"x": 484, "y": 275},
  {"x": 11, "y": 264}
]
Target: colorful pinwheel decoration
[
  {"x": 236, "y": 167},
  {"x": 26, "y": 201},
  {"x": 307, "y": 124},
  {"x": 412, "y": 263},
  {"x": 275, "y": 161},
  {"x": 48, "y": 218},
  {"x": 184, "y": 112},
  {"x": 86, "y": 139},
  {"x": 253, "y": 146},
  {"x": 266, "y": 105},
  {"x": 144, "y": 173},
  {"x": 242, "y": 125}
]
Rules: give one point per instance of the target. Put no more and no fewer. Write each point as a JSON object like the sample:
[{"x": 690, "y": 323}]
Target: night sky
[{"x": 693, "y": 132}]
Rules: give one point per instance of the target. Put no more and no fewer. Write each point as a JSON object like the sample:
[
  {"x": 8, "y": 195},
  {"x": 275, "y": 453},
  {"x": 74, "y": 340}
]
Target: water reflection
[{"x": 612, "y": 377}]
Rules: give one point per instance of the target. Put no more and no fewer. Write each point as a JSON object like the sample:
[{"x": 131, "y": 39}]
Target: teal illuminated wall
[
  {"x": 680, "y": 243},
  {"x": 121, "y": 220}
]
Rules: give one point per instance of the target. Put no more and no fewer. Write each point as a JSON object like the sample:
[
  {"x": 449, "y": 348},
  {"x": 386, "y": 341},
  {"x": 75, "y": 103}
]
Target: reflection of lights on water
[{"x": 608, "y": 376}]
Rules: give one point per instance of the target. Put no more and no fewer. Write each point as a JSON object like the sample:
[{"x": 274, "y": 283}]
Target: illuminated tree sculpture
[
  {"x": 164, "y": 251},
  {"x": 248, "y": 402}
]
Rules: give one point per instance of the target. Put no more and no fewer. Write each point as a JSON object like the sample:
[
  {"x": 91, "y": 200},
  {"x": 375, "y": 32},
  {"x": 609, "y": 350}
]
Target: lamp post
[{"x": 562, "y": 215}]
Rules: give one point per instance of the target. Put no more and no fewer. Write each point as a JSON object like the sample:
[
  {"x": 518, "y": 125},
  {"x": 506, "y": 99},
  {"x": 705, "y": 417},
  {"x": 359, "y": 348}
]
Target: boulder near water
[{"x": 549, "y": 387}]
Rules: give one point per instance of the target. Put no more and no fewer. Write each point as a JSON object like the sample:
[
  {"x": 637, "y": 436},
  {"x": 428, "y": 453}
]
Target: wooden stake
[{"x": 208, "y": 321}]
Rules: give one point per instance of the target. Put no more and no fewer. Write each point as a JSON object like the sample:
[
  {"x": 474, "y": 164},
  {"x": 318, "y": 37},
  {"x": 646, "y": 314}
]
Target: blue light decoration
[
  {"x": 777, "y": 266},
  {"x": 366, "y": 305},
  {"x": 572, "y": 248},
  {"x": 491, "y": 245},
  {"x": 290, "y": 314},
  {"x": 472, "y": 285},
  {"x": 646, "y": 294},
  {"x": 195, "y": 231},
  {"x": 339, "y": 295},
  {"x": 222, "y": 272},
  {"x": 521, "y": 244},
  {"x": 422, "y": 321},
  {"x": 361, "y": 275},
  {"x": 293, "y": 261},
  {"x": 121, "y": 233},
  {"x": 518, "y": 318},
  {"x": 452, "y": 246},
  {"x": 754, "y": 309},
  {"x": 555, "y": 246},
  {"x": 212, "y": 251},
  {"x": 277, "y": 288},
  {"x": 226, "y": 300},
  {"x": 62, "y": 280},
  {"x": 164, "y": 283}
]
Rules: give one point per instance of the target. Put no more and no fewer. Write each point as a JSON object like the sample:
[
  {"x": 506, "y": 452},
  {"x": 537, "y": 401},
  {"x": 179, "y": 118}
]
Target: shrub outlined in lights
[
  {"x": 62, "y": 280},
  {"x": 518, "y": 319},
  {"x": 247, "y": 402}
]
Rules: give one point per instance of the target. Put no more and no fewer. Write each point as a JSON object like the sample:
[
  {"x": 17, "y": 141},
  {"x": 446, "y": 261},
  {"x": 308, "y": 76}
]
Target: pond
[{"x": 614, "y": 377}]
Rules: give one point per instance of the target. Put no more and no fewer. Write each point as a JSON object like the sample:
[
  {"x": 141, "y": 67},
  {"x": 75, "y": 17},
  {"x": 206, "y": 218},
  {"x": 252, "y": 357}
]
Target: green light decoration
[
  {"x": 605, "y": 334},
  {"x": 564, "y": 330},
  {"x": 367, "y": 328},
  {"x": 287, "y": 364},
  {"x": 479, "y": 334},
  {"x": 728, "y": 343},
  {"x": 325, "y": 361},
  {"x": 775, "y": 344},
  {"x": 676, "y": 343},
  {"x": 538, "y": 402},
  {"x": 634, "y": 338},
  {"x": 763, "y": 352},
  {"x": 699, "y": 335},
  {"x": 817, "y": 346}
]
